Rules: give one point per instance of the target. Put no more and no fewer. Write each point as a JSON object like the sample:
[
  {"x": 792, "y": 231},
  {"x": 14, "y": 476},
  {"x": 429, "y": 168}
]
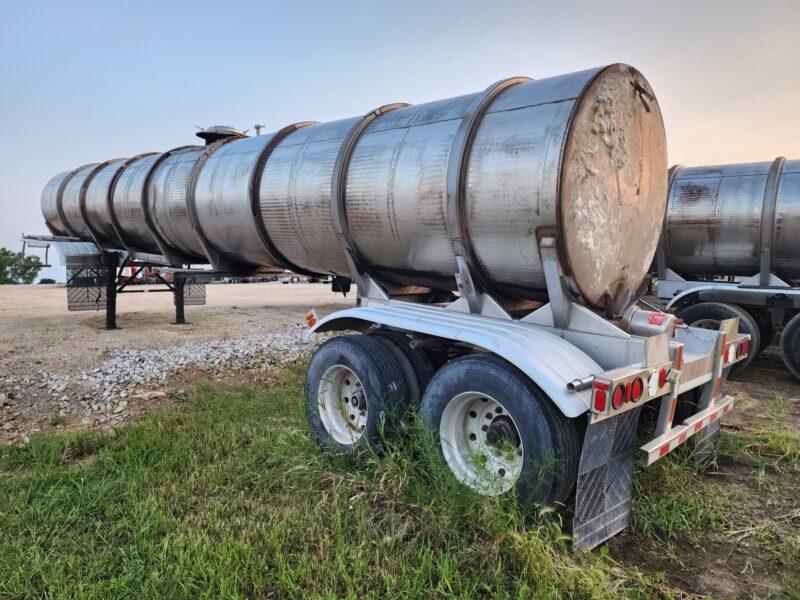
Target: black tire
[
  {"x": 765, "y": 330},
  {"x": 383, "y": 383},
  {"x": 790, "y": 345},
  {"x": 544, "y": 432},
  {"x": 414, "y": 362},
  {"x": 710, "y": 312}
]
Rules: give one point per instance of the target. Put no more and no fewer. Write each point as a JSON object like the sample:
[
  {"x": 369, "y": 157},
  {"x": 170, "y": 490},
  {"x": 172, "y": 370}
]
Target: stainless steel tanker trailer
[
  {"x": 499, "y": 243},
  {"x": 731, "y": 248}
]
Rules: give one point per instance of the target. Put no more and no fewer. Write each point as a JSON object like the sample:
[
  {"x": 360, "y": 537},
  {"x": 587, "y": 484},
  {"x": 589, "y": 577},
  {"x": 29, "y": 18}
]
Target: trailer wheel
[
  {"x": 414, "y": 362},
  {"x": 355, "y": 392},
  {"x": 708, "y": 315},
  {"x": 497, "y": 431},
  {"x": 790, "y": 345},
  {"x": 765, "y": 330}
]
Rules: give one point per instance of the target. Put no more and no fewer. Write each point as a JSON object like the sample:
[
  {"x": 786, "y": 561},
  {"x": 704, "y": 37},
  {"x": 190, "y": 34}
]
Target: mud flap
[
  {"x": 706, "y": 442},
  {"x": 605, "y": 480}
]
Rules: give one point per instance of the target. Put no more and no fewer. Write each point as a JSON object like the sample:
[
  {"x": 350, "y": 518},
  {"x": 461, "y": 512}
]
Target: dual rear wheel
[
  {"x": 496, "y": 431},
  {"x": 709, "y": 315},
  {"x": 755, "y": 322}
]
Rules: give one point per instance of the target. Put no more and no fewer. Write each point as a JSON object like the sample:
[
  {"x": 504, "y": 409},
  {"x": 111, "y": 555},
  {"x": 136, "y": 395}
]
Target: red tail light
[
  {"x": 600, "y": 396},
  {"x": 636, "y": 389},
  {"x": 618, "y": 399},
  {"x": 662, "y": 378}
]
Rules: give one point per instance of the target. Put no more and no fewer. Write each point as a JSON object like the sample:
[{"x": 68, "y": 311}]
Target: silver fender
[
  {"x": 676, "y": 300},
  {"x": 548, "y": 360}
]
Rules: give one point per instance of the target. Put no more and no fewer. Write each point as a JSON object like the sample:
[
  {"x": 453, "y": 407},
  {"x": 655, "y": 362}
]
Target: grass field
[{"x": 225, "y": 494}]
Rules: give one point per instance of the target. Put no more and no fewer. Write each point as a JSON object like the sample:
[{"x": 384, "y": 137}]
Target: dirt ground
[
  {"x": 37, "y": 329},
  {"x": 42, "y": 342}
]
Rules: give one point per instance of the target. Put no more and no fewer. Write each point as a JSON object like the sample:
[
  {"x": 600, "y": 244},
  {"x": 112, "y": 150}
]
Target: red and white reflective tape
[{"x": 664, "y": 444}]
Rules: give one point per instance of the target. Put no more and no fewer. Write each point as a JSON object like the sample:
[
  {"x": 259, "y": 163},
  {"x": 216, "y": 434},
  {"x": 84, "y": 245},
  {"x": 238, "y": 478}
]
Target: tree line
[{"x": 16, "y": 268}]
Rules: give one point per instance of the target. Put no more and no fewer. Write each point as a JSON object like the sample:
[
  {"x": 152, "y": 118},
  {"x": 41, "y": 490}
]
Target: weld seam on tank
[
  {"x": 341, "y": 225},
  {"x": 255, "y": 202},
  {"x": 458, "y": 164}
]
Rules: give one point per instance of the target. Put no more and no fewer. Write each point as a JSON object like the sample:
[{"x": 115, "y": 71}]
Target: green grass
[
  {"x": 767, "y": 442},
  {"x": 225, "y": 494},
  {"x": 671, "y": 501}
]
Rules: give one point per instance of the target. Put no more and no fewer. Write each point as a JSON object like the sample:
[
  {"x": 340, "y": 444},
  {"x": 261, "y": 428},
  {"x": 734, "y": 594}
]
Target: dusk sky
[{"x": 87, "y": 81}]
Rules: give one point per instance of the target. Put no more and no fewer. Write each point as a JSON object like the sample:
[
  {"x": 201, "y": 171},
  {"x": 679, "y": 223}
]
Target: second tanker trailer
[
  {"x": 731, "y": 248},
  {"x": 499, "y": 242}
]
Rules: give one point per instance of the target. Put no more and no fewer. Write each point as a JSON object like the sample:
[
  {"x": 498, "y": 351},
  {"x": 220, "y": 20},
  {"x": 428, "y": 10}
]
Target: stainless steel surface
[
  {"x": 49, "y": 203},
  {"x": 97, "y": 203},
  {"x": 482, "y": 177},
  {"x": 50, "y": 196},
  {"x": 167, "y": 196},
  {"x": 73, "y": 201},
  {"x": 714, "y": 220},
  {"x": 786, "y": 229},
  {"x": 128, "y": 204},
  {"x": 295, "y": 196},
  {"x": 71, "y": 196},
  {"x": 577, "y": 153},
  {"x": 223, "y": 201},
  {"x": 64, "y": 218}
]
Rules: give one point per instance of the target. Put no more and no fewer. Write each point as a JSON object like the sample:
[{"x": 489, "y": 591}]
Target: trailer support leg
[
  {"x": 177, "y": 290},
  {"x": 110, "y": 264}
]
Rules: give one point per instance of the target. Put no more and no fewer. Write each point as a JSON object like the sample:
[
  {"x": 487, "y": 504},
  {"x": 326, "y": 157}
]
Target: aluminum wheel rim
[
  {"x": 342, "y": 405},
  {"x": 469, "y": 437}
]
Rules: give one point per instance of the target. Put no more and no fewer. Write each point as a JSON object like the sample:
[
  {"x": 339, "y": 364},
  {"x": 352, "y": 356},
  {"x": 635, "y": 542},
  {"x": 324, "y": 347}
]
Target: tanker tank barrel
[{"x": 450, "y": 195}]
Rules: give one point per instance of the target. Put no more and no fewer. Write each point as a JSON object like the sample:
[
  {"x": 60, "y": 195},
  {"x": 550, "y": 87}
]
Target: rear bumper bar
[{"x": 666, "y": 443}]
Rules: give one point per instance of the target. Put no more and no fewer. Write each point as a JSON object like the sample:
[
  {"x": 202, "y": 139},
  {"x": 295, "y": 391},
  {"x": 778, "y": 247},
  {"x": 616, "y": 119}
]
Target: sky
[{"x": 87, "y": 81}]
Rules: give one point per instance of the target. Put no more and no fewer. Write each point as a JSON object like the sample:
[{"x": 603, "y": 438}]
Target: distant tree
[
  {"x": 16, "y": 269},
  {"x": 44, "y": 280}
]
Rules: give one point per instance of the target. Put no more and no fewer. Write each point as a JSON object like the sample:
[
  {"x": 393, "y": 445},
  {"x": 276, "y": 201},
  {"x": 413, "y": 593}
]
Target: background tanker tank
[
  {"x": 720, "y": 218},
  {"x": 730, "y": 248},
  {"x": 415, "y": 194}
]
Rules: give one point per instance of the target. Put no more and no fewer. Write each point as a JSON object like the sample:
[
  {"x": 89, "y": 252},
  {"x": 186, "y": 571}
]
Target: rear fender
[{"x": 548, "y": 360}]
